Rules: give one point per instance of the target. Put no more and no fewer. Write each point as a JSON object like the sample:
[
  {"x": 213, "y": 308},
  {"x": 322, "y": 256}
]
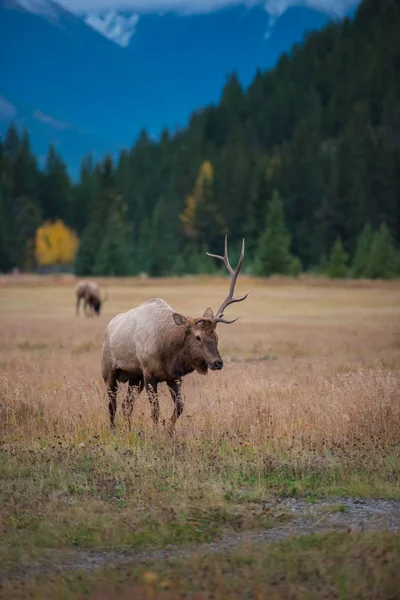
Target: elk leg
[
  {"x": 112, "y": 388},
  {"x": 78, "y": 302},
  {"x": 151, "y": 389},
  {"x": 176, "y": 394},
  {"x": 135, "y": 386},
  {"x": 85, "y": 309}
]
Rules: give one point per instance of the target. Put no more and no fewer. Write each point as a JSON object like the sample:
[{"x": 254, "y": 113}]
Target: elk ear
[
  {"x": 180, "y": 320},
  {"x": 208, "y": 313}
]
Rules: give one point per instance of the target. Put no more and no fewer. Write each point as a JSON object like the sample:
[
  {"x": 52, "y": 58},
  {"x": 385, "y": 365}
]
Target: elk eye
[{"x": 198, "y": 338}]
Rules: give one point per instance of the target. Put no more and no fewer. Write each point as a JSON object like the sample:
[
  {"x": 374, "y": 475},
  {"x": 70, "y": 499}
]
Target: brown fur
[
  {"x": 153, "y": 344},
  {"x": 89, "y": 292}
]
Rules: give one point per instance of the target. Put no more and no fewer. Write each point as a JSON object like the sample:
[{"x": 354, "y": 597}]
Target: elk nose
[{"x": 218, "y": 364}]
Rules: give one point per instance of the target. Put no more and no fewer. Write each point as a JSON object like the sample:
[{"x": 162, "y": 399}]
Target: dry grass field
[{"x": 307, "y": 405}]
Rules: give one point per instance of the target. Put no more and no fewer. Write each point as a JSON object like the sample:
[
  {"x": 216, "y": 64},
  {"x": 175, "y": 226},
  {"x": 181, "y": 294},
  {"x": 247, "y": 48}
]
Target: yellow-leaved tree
[
  {"x": 56, "y": 244},
  {"x": 200, "y": 217}
]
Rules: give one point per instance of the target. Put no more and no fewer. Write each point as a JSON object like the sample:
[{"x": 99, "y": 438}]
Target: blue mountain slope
[
  {"x": 68, "y": 70},
  {"x": 204, "y": 48},
  {"x": 71, "y": 142},
  {"x": 104, "y": 94}
]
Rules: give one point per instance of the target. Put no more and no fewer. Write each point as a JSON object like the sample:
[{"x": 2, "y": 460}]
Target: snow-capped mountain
[
  {"x": 116, "y": 27},
  {"x": 90, "y": 82}
]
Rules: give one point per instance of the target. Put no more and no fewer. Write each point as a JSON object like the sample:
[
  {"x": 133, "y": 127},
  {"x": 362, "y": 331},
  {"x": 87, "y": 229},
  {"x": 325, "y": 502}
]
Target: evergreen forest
[{"x": 304, "y": 163}]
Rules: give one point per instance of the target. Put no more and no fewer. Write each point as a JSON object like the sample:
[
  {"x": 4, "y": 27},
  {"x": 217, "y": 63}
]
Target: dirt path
[{"x": 338, "y": 514}]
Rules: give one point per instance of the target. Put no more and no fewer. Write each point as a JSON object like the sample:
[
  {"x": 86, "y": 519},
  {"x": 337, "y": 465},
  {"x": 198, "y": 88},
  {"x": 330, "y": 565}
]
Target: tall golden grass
[{"x": 303, "y": 363}]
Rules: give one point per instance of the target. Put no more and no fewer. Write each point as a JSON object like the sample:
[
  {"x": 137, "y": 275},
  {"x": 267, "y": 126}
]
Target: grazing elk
[
  {"x": 89, "y": 292},
  {"x": 151, "y": 344}
]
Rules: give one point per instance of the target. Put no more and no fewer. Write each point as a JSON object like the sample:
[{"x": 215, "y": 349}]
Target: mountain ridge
[{"x": 76, "y": 75}]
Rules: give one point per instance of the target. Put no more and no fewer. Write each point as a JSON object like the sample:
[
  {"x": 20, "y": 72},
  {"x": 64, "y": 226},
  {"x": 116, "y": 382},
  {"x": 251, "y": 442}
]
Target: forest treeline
[{"x": 304, "y": 163}]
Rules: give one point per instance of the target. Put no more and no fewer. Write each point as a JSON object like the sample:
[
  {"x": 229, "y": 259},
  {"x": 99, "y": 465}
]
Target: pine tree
[
  {"x": 56, "y": 188},
  {"x": 88, "y": 249},
  {"x": 337, "y": 266},
  {"x": 158, "y": 253},
  {"x": 106, "y": 186},
  {"x": 256, "y": 205},
  {"x": 159, "y": 242},
  {"x": 273, "y": 253},
  {"x": 28, "y": 219},
  {"x": 25, "y": 171},
  {"x": 179, "y": 267},
  {"x": 143, "y": 248},
  {"x": 115, "y": 257},
  {"x": 203, "y": 264},
  {"x": 7, "y": 237},
  {"x": 382, "y": 178},
  {"x": 361, "y": 260},
  {"x": 296, "y": 267},
  {"x": 381, "y": 264},
  {"x": 304, "y": 184},
  {"x": 232, "y": 184},
  {"x": 11, "y": 142},
  {"x": 19, "y": 177},
  {"x": 232, "y": 98},
  {"x": 353, "y": 190},
  {"x": 84, "y": 196},
  {"x": 397, "y": 263}
]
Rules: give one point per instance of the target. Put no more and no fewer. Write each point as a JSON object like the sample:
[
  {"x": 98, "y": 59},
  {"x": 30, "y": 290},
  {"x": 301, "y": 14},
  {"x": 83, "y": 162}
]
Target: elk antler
[{"x": 218, "y": 318}]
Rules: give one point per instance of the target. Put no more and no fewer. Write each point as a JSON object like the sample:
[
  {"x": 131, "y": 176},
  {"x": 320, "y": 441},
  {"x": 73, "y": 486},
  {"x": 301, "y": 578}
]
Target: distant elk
[
  {"x": 152, "y": 344},
  {"x": 89, "y": 292}
]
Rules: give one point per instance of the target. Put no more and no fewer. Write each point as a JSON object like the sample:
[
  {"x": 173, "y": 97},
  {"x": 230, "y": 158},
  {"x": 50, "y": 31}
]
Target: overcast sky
[{"x": 273, "y": 7}]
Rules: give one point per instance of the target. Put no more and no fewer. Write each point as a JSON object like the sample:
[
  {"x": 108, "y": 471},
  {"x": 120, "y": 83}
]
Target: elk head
[
  {"x": 201, "y": 339},
  {"x": 98, "y": 302}
]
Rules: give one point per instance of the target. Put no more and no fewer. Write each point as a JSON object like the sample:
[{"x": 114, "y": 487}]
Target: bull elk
[
  {"x": 89, "y": 292},
  {"x": 152, "y": 343}
]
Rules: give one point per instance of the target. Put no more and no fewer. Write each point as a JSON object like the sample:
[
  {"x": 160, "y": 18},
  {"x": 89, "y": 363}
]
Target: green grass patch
[
  {"x": 342, "y": 566},
  {"x": 140, "y": 490}
]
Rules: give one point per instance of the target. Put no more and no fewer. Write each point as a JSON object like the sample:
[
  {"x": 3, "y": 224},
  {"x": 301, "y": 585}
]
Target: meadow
[{"x": 307, "y": 406}]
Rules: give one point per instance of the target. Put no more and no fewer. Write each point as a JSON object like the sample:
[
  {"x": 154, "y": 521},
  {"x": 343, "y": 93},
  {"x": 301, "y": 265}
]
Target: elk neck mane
[{"x": 176, "y": 356}]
